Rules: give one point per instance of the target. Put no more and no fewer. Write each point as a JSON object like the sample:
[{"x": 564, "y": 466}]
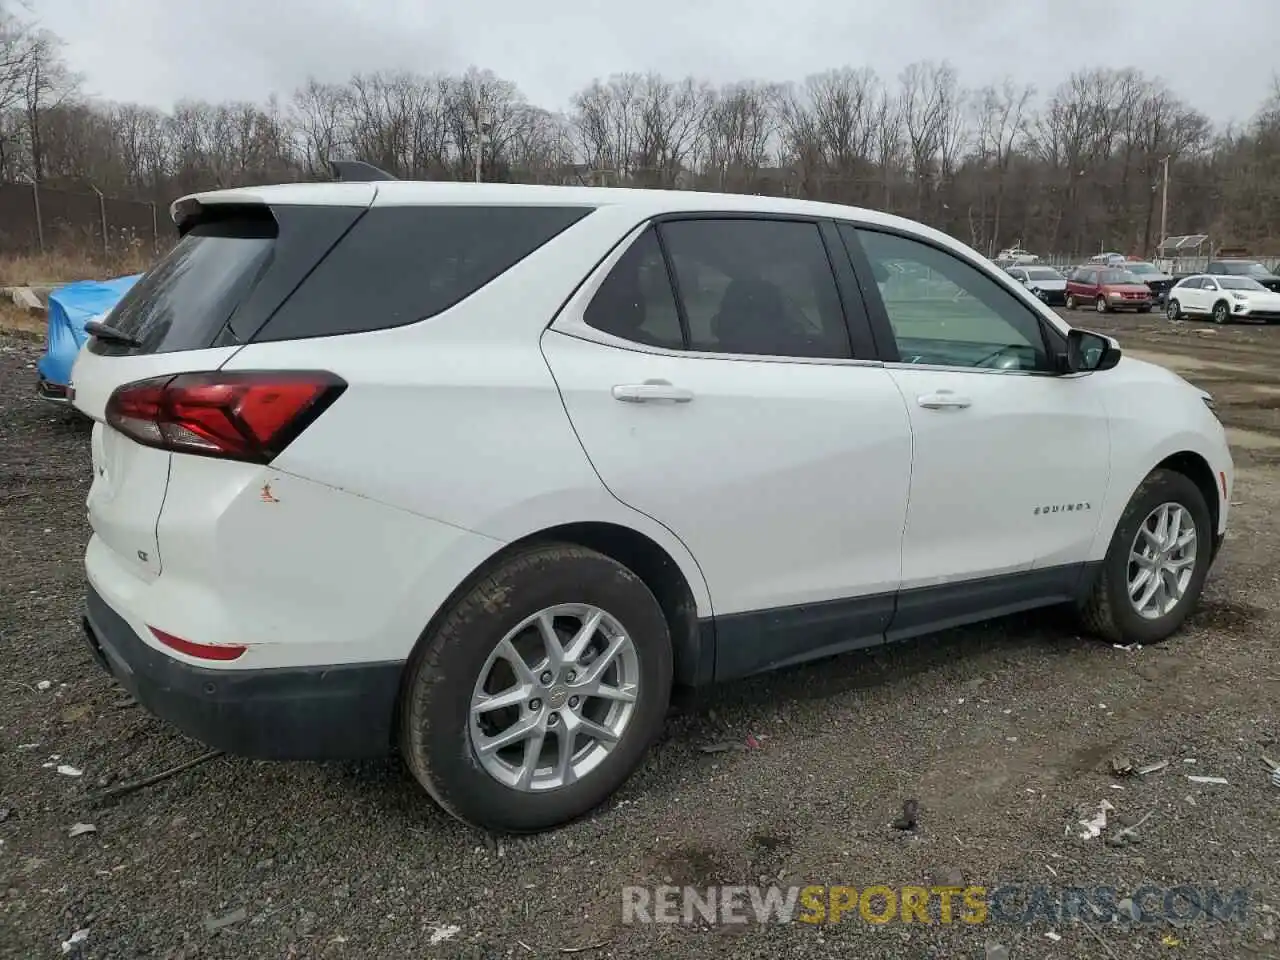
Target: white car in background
[
  {"x": 477, "y": 472},
  {"x": 1223, "y": 298}
]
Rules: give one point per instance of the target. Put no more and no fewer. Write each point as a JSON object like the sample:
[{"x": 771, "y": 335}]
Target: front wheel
[
  {"x": 1220, "y": 312},
  {"x": 1173, "y": 310},
  {"x": 539, "y": 691},
  {"x": 1156, "y": 565}
]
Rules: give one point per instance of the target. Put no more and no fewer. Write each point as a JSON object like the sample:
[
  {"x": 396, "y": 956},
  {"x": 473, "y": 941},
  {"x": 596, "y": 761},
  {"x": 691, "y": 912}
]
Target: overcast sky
[{"x": 1217, "y": 54}]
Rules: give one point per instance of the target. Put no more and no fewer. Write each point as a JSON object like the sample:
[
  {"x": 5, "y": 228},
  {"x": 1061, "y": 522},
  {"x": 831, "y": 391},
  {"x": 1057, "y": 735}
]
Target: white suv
[{"x": 479, "y": 471}]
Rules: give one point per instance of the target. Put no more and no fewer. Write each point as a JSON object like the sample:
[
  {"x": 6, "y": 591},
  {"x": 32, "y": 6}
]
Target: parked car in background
[
  {"x": 1045, "y": 282},
  {"x": 1005, "y": 263},
  {"x": 1152, "y": 276},
  {"x": 70, "y": 308},
  {"x": 479, "y": 471},
  {"x": 1245, "y": 268},
  {"x": 1107, "y": 260},
  {"x": 1223, "y": 298},
  {"x": 1017, "y": 255},
  {"x": 1106, "y": 289}
]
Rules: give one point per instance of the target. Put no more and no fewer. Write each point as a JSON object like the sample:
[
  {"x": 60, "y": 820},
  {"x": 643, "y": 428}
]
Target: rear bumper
[{"x": 278, "y": 713}]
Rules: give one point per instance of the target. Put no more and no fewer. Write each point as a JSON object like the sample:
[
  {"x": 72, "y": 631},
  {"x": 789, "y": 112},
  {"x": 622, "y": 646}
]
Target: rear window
[
  {"x": 399, "y": 265},
  {"x": 185, "y": 299}
]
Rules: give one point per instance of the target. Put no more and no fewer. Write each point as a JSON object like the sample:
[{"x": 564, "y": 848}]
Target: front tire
[
  {"x": 1173, "y": 310},
  {"x": 1221, "y": 312},
  {"x": 539, "y": 691},
  {"x": 1156, "y": 565}
]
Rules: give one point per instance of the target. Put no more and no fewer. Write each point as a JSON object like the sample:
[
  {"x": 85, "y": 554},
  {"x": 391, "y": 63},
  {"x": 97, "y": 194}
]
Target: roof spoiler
[{"x": 357, "y": 171}]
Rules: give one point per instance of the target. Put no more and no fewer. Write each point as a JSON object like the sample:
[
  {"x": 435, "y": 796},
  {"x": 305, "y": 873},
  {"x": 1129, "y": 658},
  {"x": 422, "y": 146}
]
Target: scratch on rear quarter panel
[{"x": 267, "y": 495}]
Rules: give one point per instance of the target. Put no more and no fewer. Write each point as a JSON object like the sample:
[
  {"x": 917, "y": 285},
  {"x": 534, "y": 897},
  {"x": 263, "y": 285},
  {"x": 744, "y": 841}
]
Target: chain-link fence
[{"x": 35, "y": 219}]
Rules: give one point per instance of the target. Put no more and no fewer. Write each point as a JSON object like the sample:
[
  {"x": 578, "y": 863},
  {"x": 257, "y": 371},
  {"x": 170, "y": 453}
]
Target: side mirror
[{"x": 1088, "y": 352}]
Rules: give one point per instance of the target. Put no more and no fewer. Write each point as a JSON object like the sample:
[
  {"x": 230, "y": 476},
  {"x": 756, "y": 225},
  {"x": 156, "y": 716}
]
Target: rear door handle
[
  {"x": 651, "y": 391},
  {"x": 943, "y": 400}
]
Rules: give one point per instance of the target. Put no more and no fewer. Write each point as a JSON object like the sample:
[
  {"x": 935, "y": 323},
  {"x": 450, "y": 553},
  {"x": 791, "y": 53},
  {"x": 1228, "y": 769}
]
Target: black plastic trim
[
  {"x": 339, "y": 712},
  {"x": 755, "y": 642},
  {"x": 357, "y": 171}
]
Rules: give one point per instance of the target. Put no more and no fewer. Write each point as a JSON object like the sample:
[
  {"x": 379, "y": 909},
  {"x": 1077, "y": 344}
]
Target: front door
[
  {"x": 1010, "y": 460},
  {"x": 736, "y": 414}
]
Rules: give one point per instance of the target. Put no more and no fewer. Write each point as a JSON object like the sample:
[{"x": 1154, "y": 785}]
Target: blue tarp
[{"x": 70, "y": 308}]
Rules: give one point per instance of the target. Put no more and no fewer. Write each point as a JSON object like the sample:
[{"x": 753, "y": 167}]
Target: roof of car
[{"x": 646, "y": 202}]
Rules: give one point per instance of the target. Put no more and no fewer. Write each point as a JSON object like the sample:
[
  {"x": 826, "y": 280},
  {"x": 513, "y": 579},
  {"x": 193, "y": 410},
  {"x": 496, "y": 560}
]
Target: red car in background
[{"x": 1106, "y": 289}]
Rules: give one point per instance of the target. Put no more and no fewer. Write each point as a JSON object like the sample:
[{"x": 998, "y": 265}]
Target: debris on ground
[
  {"x": 1055, "y": 937},
  {"x": 442, "y": 932},
  {"x": 907, "y": 821},
  {"x": 723, "y": 746},
  {"x": 997, "y": 951},
  {"x": 214, "y": 924},
  {"x": 42, "y": 686},
  {"x": 135, "y": 785},
  {"x": 1129, "y": 834},
  {"x": 1127, "y": 647},
  {"x": 1222, "y": 780},
  {"x": 1152, "y": 767},
  {"x": 1171, "y": 941},
  {"x": 583, "y": 949},
  {"x": 1121, "y": 766},
  {"x": 80, "y": 829},
  {"x": 69, "y": 771},
  {"x": 77, "y": 938},
  {"x": 1094, "y": 825}
]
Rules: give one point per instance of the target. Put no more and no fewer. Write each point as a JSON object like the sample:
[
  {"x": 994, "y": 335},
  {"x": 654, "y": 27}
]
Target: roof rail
[{"x": 357, "y": 171}]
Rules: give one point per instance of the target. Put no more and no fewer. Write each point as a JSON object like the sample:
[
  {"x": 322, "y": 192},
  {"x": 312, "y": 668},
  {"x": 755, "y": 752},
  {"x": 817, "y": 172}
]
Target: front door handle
[
  {"x": 943, "y": 400},
  {"x": 651, "y": 391}
]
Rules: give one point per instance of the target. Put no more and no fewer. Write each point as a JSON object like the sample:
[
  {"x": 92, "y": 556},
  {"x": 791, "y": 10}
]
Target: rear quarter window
[{"x": 399, "y": 265}]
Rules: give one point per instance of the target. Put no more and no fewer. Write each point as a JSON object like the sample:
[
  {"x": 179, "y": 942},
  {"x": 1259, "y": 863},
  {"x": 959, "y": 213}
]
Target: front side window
[
  {"x": 947, "y": 312},
  {"x": 756, "y": 287}
]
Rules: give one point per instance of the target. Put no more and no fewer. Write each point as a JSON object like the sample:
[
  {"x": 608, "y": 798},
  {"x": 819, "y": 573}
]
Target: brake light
[{"x": 249, "y": 416}]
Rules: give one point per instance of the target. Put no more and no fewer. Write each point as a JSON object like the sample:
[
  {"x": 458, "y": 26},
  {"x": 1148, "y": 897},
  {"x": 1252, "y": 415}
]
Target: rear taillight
[{"x": 248, "y": 416}]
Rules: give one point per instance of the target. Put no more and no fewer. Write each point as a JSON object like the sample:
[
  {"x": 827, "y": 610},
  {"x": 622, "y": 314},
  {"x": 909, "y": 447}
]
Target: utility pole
[
  {"x": 482, "y": 134},
  {"x": 1164, "y": 207}
]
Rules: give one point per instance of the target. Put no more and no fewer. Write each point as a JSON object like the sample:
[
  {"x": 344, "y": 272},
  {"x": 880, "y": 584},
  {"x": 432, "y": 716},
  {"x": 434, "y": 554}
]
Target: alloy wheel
[
  {"x": 554, "y": 698},
  {"x": 1162, "y": 560}
]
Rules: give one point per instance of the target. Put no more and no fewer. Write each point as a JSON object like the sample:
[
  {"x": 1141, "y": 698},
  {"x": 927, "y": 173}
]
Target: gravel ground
[{"x": 1004, "y": 733}]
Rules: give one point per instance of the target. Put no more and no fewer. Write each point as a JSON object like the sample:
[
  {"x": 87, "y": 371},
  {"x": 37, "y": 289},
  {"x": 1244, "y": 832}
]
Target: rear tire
[
  {"x": 1101, "y": 305},
  {"x": 1070, "y": 303},
  {"x": 450, "y": 672},
  {"x": 1111, "y": 609}
]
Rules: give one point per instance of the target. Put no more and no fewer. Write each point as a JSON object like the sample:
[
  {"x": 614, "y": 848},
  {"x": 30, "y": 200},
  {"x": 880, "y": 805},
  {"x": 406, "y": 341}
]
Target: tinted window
[
  {"x": 945, "y": 311},
  {"x": 185, "y": 299},
  {"x": 1240, "y": 283},
  {"x": 399, "y": 265},
  {"x": 1044, "y": 273},
  {"x": 760, "y": 287},
  {"x": 635, "y": 301},
  {"x": 1194, "y": 283}
]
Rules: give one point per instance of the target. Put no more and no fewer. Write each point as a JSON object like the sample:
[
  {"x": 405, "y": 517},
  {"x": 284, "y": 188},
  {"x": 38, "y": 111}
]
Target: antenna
[{"x": 357, "y": 171}]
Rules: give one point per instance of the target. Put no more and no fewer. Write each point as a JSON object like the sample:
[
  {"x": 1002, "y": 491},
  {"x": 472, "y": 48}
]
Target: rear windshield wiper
[{"x": 104, "y": 332}]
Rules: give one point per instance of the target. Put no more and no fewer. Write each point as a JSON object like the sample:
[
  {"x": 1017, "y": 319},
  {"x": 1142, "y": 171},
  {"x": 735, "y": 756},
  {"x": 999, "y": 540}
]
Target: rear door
[
  {"x": 716, "y": 389},
  {"x": 189, "y": 313}
]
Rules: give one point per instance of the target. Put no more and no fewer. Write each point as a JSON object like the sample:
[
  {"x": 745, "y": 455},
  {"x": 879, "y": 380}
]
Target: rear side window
[
  {"x": 185, "y": 299},
  {"x": 399, "y": 265},
  {"x": 635, "y": 301},
  {"x": 757, "y": 287}
]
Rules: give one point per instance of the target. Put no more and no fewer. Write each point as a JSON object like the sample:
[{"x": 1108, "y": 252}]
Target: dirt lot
[{"x": 1003, "y": 732}]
